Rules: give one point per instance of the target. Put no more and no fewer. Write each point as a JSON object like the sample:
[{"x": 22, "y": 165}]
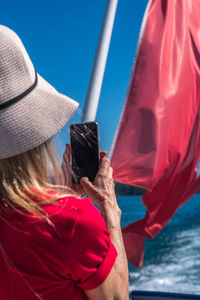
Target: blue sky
[{"x": 61, "y": 38}]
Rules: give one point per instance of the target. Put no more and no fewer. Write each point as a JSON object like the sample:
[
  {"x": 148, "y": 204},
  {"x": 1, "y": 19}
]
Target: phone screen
[{"x": 84, "y": 150}]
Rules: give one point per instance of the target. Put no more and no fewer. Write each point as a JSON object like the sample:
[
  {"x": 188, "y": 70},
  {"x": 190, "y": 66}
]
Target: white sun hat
[{"x": 31, "y": 110}]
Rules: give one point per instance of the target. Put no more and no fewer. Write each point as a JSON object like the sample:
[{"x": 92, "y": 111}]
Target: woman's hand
[
  {"x": 102, "y": 193},
  {"x": 68, "y": 173}
]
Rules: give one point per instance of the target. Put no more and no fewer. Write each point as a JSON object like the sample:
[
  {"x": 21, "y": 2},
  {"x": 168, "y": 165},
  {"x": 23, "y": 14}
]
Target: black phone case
[{"x": 85, "y": 150}]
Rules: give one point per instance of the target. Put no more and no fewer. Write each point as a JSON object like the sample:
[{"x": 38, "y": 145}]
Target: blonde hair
[{"x": 32, "y": 175}]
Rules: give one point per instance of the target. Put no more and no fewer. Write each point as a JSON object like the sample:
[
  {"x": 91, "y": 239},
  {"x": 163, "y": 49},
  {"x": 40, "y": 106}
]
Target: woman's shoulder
[
  {"x": 69, "y": 204},
  {"x": 81, "y": 217},
  {"x": 74, "y": 212}
]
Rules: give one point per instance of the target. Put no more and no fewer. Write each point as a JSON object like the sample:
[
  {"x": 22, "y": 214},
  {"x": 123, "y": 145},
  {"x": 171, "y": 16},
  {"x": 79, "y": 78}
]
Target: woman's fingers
[
  {"x": 104, "y": 167},
  {"x": 102, "y": 154},
  {"x": 110, "y": 174},
  {"x": 92, "y": 191},
  {"x": 67, "y": 154},
  {"x": 88, "y": 186},
  {"x": 97, "y": 189}
]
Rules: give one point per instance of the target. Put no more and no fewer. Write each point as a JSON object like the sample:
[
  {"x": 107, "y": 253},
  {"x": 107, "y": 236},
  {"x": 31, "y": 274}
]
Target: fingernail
[{"x": 84, "y": 179}]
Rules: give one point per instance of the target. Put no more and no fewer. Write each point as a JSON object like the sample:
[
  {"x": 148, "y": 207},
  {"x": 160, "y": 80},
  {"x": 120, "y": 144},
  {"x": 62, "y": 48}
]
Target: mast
[{"x": 96, "y": 77}]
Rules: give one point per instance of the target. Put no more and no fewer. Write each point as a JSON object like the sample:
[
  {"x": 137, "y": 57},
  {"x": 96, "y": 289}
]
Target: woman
[{"x": 53, "y": 243}]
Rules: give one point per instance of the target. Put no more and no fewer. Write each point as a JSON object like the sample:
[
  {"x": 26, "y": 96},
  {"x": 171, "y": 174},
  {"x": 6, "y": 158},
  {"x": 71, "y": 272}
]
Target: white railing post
[{"x": 96, "y": 78}]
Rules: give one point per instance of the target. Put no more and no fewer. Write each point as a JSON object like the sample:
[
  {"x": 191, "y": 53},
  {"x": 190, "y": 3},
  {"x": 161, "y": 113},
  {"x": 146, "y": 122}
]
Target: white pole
[{"x": 96, "y": 78}]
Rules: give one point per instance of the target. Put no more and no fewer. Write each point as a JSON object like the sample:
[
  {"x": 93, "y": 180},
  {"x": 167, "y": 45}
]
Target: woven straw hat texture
[{"x": 36, "y": 117}]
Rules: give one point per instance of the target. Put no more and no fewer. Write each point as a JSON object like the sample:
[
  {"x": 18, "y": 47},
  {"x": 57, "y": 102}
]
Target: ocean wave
[{"x": 172, "y": 258}]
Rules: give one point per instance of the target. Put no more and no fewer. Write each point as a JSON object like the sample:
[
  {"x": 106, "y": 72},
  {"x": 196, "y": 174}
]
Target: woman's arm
[
  {"x": 111, "y": 289},
  {"x": 121, "y": 264},
  {"x": 115, "y": 287},
  {"x": 102, "y": 193}
]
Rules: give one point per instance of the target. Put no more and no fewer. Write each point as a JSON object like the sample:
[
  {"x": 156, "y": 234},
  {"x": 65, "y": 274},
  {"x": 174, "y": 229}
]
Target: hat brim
[{"x": 34, "y": 119}]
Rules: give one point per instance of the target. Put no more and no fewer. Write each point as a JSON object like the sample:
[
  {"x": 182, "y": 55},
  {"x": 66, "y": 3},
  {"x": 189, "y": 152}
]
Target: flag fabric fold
[{"x": 157, "y": 143}]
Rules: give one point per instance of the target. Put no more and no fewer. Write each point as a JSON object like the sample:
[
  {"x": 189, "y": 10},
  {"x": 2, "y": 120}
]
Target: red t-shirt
[{"x": 39, "y": 262}]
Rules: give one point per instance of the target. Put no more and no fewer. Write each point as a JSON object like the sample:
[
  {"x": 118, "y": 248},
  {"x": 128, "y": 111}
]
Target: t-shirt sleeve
[{"x": 92, "y": 252}]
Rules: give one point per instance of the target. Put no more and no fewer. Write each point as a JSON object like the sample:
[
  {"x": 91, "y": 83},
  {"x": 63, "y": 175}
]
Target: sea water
[{"x": 172, "y": 258}]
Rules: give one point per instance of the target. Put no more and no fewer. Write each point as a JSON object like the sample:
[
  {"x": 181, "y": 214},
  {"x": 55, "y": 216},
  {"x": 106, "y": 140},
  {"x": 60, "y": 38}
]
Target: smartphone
[{"x": 84, "y": 138}]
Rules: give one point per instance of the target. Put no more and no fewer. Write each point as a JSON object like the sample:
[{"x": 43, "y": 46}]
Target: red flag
[{"x": 157, "y": 144}]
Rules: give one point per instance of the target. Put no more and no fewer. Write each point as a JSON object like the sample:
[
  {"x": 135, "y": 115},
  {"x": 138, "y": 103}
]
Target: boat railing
[{"x": 149, "y": 295}]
